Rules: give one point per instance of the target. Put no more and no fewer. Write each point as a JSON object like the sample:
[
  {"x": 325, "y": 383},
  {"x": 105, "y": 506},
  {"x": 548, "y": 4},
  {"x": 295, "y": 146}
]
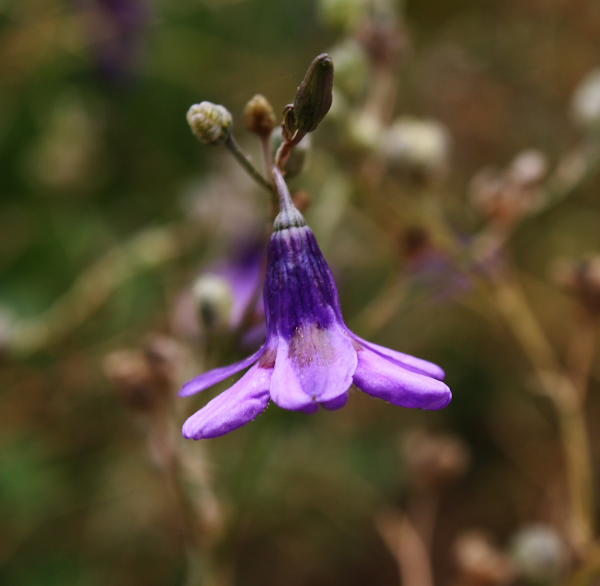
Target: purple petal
[
  {"x": 336, "y": 403},
  {"x": 212, "y": 377},
  {"x": 406, "y": 360},
  {"x": 316, "y": 366},
  {"x": 379, "y": 377},
  {"x": 232, "y": 408}
]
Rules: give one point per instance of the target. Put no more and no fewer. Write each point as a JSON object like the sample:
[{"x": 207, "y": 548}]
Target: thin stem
[
  {"x": 580, "y": 353},
  {"x": 146, "y": 250},
  {"x": 241, "y": 157},
  {"x": 267, "y": 155},
  {"x": 564, "y": 395}
]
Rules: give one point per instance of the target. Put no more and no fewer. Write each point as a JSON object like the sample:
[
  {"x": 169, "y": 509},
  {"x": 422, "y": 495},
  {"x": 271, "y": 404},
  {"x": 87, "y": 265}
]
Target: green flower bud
[
  {"x": 314, "y": 95},
  {"x": 209, "y": 122}
]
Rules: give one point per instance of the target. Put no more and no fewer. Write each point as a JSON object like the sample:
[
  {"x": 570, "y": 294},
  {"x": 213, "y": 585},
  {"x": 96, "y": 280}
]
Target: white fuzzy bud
[
  {"x": 585, "y": 104},
  {"x": 209, "y": 122},
  {"x": 213, "y": 300},
  {"x": 421, "y": 145}
]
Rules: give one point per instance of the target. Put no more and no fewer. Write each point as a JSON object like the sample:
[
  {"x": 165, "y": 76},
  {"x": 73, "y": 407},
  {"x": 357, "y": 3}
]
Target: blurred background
[{"x": 453, "y": 190}]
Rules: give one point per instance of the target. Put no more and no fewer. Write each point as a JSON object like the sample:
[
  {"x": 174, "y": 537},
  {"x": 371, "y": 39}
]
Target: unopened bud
[
  {"x": 540, "y": 555},
  {"x": 585, "y": 104},
  {"x": 259, "y": 116},
  {"x": 314, "y": 95},
  {"x": 529, "y": 168},
  {"x": 417, "y": 145},
  {"x": 213, "y": 300},
  {"x": 210, "y": 123}
]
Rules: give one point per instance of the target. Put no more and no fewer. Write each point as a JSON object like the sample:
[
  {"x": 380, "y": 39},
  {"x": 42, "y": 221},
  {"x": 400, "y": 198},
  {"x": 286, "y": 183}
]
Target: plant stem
[
  {"x": 561, "y": 390},
  {"x": 241, "y": 157}
]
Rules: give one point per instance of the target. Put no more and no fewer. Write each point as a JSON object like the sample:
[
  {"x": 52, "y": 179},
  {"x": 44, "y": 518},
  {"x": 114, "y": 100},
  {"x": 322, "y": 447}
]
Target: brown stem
[{"x": 561, "y": 390}]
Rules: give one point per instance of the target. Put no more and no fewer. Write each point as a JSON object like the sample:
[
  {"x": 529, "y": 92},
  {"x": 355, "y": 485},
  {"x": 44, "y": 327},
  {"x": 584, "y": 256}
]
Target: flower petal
[
  {"x": 336, "y": 403},
  {"x": 315, "y": 366},
  {"x": 212, "y": 377},
  {"x": 233, "y": 408},
  {"x": 406, "y": 360},
  {"x": 379, "y": 377}
]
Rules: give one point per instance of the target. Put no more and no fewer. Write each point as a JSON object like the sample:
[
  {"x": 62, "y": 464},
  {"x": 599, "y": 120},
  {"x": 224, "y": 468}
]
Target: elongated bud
[
  {"x": 209, "y": 122},
  {"x": 313, "y": 98},
  {"x": 259, "y": 116}
]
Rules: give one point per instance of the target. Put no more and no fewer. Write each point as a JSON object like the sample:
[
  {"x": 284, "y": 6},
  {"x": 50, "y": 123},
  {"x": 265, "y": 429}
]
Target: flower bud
[
  {"x": 585, "y": 104},
  {"x": 259, "y": 116},
  {"x": 540, "y": 555},
  {"x": 364, "y": 130},
  {"x": 213, "y": 300},
  {"x": 209, "y": 122},
  {"x": 314, "y": 95},
  {"x": 417, "y": 145},
  {"x": 528, "y": 169},
  {"x": 299, "y": 157}
]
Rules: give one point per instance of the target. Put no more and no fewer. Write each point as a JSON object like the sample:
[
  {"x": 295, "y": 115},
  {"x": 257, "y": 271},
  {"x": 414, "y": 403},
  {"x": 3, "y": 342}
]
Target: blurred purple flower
[
  {"x": 117, "y": 27},
  {"x": 309, "y": 356},
  {"x": 223, "y": 295}
]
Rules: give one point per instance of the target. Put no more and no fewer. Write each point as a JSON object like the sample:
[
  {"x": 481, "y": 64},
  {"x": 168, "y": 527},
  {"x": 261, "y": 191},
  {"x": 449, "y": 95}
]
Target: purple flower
[
  {"x": 226, "y": 295},
  {"x": 309, "y": 356}
]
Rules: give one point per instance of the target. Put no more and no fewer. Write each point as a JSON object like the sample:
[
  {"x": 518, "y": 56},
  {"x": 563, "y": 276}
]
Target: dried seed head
[
  {"x": 145, "y": 379},
  {"x": 259, "y": 116},
  {"x": 580, "y": 279},
  {"x": 506, "y": 196},
  {"x": 210, "y": 123},
  {"x": 528, "y": 169},
  {"x": 417, "y": 145},
  {"x": 480, "y": 563},
  {"x": 540, "y": 554},
  {"x": 435, "y": 461},
  {"x": 585, "y": 104}
]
